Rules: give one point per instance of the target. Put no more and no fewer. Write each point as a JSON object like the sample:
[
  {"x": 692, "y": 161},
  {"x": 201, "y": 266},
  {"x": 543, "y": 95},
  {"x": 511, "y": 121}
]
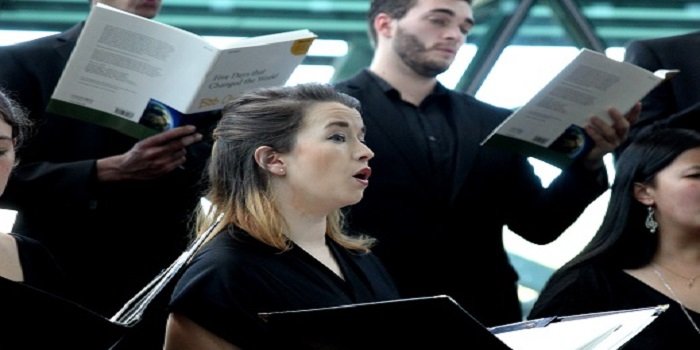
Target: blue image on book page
[
  {"x": 574, "y": 142},
  {"x": 159, "y": 116}
]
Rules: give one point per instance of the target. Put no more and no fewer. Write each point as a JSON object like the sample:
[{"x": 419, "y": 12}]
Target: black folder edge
[
  {"x": 401, "y": 323},
  {"x": 32, "y": 318},
  {"x": 267, "y": 316}
]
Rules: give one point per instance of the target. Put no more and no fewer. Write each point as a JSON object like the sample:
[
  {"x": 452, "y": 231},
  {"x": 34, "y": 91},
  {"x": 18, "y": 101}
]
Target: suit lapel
[{"x": 468, "y": 134}]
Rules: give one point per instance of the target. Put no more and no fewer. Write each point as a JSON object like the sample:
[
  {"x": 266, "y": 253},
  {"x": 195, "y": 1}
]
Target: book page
[{"x": 263, "y": 61}]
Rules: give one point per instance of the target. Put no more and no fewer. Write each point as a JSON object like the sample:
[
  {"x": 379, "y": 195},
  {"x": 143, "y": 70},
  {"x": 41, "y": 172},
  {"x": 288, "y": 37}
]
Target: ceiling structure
[{"x": 595, "y": 24}]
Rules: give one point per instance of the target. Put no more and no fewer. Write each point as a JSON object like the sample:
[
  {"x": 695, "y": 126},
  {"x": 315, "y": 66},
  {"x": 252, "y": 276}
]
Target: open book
[
  {"x": 550, "y": 125},
  {"x": 438, "y": 322},
  {"x": 140, "y": 77}
]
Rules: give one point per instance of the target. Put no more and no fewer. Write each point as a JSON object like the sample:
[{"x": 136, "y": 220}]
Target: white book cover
[{"x": 140, "y": 76}]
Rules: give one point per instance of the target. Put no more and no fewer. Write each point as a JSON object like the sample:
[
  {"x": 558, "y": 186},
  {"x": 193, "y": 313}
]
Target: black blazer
[
  {"x": 110, "y": 238},
  {"x": 683, "y": 91},
  {"x": 453, "y": 244}
]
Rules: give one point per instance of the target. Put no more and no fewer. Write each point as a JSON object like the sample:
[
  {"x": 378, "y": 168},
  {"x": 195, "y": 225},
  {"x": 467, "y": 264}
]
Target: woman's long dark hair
[{"x": 622, "y": 241}]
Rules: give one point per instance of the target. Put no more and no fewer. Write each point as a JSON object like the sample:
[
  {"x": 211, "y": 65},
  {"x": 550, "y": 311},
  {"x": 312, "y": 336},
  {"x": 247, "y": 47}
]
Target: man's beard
[{"x": 411, "y": 49}]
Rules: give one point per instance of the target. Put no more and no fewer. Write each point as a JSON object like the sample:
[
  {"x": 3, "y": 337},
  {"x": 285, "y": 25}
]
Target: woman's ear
[
  {"x": 268, "y": 159},
  {"x": 644, "y": 193}
]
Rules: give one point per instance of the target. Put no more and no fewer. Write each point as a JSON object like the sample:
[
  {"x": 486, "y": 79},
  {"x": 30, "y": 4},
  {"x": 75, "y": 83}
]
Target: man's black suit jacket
[
  {"x": 111, "y": 238},
  {"x": 453, "y": 244},
  {"x": 683, "y": 91}
]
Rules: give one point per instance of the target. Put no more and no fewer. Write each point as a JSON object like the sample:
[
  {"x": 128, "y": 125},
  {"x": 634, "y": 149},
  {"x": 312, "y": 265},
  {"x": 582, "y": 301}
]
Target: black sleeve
[{"x": 39, "y": 266}]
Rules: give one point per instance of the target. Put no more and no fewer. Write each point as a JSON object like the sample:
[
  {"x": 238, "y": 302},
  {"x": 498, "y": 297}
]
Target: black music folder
[
  {"x": 33, "y": 319},
  {"x": 435, "y": 322}
]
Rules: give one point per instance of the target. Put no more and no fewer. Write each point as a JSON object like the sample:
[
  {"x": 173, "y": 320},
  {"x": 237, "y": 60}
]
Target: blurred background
[{"x": 515, "y": 48}]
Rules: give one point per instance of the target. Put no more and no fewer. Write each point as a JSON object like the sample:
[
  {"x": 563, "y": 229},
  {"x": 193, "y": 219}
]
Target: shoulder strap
[{"x": 133, "y": 310}]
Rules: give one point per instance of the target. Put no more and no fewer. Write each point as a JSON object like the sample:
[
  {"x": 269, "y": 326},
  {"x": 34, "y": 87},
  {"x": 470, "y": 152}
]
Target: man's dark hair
[{"x": 394, "y": 8}]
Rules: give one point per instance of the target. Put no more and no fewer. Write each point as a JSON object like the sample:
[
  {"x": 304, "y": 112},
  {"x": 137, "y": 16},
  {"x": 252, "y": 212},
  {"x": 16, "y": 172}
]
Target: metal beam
[
  {"x": 491, "y": 47},
  {"x": 577, "y": 25}
]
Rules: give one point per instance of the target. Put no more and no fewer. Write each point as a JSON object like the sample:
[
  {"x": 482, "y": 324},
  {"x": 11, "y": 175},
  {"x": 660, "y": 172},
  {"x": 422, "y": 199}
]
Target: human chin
[
  {"x": 353, "y": 198},
  {"x": 439, "y": 66},
  {"x": 443, "y": 59},
  {"x": 147, "y": 13},
  {"x": 149, "y": 9},
  {"x": 424, "y": 65},
  {"x": 430, "y": 69}
]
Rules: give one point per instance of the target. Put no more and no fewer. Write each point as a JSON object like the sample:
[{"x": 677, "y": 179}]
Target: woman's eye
[{"x": 337, "y": 137}]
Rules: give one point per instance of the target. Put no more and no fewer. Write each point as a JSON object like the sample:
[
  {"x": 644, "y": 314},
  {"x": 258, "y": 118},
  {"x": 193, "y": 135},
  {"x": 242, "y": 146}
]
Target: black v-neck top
[{"x": 235, "y": 276}]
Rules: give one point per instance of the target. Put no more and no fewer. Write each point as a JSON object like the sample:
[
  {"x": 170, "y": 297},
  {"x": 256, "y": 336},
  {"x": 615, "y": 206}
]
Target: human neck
[
  {"x": 683, "y": 250},
  {"x": 305, "y": 225},
  {"x": 679, "y": 259},
  {"x": 306, "y": 234},
  {"x": 414, "y": 88},
  {"x": 308, "y": 231},
  {"x": 303, "y": 228}
]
